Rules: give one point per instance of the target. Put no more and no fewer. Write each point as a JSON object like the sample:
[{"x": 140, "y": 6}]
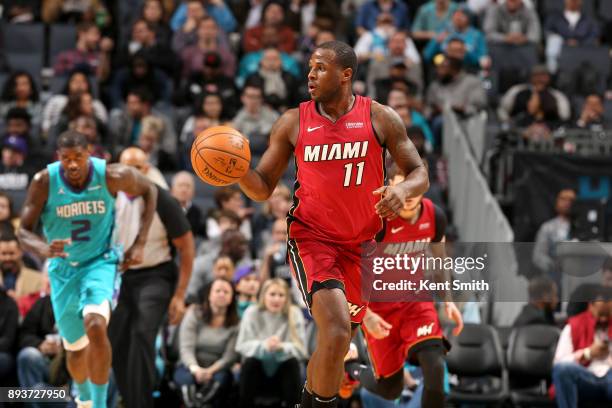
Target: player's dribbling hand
[
  {"x": 391, "y": 203},
  {"x": 453, "y": 313},
  {"x": 56, "y": 248},
  {"x": 133, "y": 256},
  {"x": 176, "y": 310},
  {"x": 376, "y": 326}
]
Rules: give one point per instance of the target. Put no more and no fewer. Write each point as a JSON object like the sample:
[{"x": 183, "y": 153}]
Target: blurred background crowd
[{"x": 154, "y": 73}]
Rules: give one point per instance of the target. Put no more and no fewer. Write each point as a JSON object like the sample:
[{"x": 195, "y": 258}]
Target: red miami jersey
[
  {"x": 407, "y": 238},
  {"x": 339, "y": 165}
]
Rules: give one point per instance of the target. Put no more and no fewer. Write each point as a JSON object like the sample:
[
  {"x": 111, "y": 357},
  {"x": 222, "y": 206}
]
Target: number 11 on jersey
[{"x": 348, "y": 171}]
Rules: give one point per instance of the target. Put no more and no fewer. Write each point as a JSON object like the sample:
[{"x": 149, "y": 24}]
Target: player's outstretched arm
[
  {"x": 258, "y": 184},
  {"x": 130, "y": 181},
  {"x": 38, "y": 192},
  {"x": 392, "y": 133}
]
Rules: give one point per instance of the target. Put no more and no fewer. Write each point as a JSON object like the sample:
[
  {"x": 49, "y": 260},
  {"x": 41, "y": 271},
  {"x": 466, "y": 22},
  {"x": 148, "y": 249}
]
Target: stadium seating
[
  {"x": 530, "y": 355},
  {"x": 593, "y": 63},
  {"x": 476, "y": 357},
  {"x": 61, "y": 37}
]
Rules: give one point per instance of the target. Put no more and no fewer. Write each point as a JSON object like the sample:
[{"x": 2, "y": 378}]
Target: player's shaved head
[
  {"x": 135, "y": 157},
  {"x": 345, "y": 55}
]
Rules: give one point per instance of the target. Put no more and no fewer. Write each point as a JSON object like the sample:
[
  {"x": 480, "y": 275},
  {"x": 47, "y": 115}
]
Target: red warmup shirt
[
  {"x": 411, "y": 239},
  {"x": 339, "y": 165}
]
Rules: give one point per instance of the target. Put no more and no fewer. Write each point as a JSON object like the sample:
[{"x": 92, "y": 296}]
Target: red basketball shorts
[
  {"x": 414, "y": 325},
  {"x": 317, "y": 265}
]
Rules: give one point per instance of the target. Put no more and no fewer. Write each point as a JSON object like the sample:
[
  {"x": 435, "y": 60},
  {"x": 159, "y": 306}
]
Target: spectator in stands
[
  {"x": 17, "y": 279},
  {"x": 370, "y": 11},
  {"x": 9, "y": 324},
  {"x": 553, "y": 231},
  {"x": 92, "y": 52},
  {"x": 401, "y": 49},
  {"x": 274, "y": 260},
  {"x": 79, "y": 104},
  {"x": 183, "y": 189},
  {"x": 536, "y": 101},
  {"x": 154, "y": 14},
  {"x": 76, "y": 82},
  {"x": 397, "y": 79},
  {"x": 373, "y": 44},
  {"x": 250, "y": 62},
  {"x": 210, "y": 105},
  {"x": 512, "y": 23},
  {"x": 21, "y": 11},
  {"x": 273, "y": 15},
  {"x": 582, "y": 361},
  {"x": 208, "y": 39},
  {"x": 207, "y": 344},
  {"x": 18, "y": 123},
  {"x": 54, "y": 11},
  {"x": 432, "y": 18},
  {"x": 255, "y": 119},
  {"x": 543, "y": 300},
  {"x": 592, "y": 115},
  {"x": 87, "y": 126},
  {"x": 210, "y": 80},
  {"x": 233, "y": 245},
  {"x": 7, "y": 211},
  {"x": 278, "y": 85},
  {"x": 476, "y": 54},
  {"x": 579, "y": 297},
  {"x": 398, "y": 100},
  {"x": 185, "y": 34},
  {"x": 15, "y": 171},
  {"x": 217, "y": 9},
  {"x": 271, "y": 340},
  {"x": 39, "y": 343},
  {"x": 570, "y": 28},
  {"x": 247, "y": 284},
  {"x": 144, "y": 43},
  {"x": 227, "y": 220},
  {"x": 140, "y": 74},
  {"x": 461, "y": 91},
  {"x": 151, "y": 132},
  {"x": 223, "y": 268},
  {"x": 276, "y": 206},
  {"x": 230, "y": 198},
  {"x": 125, "y": 124},
  {"x": 20, "y": 91}
]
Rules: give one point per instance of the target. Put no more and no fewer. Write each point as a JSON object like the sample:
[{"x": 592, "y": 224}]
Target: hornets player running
[{"x": 75, "y": 199}]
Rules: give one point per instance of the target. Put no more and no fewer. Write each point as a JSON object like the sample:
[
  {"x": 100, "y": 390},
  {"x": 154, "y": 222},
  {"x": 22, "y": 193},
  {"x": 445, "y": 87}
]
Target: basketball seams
[{"x": 202, "y": 162}]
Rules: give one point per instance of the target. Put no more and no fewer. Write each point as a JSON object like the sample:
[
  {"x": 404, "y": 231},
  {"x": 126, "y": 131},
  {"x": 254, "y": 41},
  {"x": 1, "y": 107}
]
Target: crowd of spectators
[{"x": 156, "y": 73}]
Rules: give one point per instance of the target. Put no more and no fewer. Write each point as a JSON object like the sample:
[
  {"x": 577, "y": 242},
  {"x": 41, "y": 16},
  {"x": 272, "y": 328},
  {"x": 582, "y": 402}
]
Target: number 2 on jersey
[
  {"x": 80, "y": 230},
  {"x": 348, "y": 171}
]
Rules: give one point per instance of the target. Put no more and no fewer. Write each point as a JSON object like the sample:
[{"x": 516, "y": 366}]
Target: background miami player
[
  {"x": 396, "y": 331},
  {"x": 339, "y": 141}
]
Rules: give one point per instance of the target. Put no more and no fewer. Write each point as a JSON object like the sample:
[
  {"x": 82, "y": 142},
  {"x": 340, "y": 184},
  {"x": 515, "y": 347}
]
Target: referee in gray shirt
[{"x": 148, "y": 290}]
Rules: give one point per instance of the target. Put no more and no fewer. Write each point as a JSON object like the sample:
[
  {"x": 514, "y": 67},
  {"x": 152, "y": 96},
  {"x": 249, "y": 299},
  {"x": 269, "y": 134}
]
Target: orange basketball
[{"x": 220, "y": 155}]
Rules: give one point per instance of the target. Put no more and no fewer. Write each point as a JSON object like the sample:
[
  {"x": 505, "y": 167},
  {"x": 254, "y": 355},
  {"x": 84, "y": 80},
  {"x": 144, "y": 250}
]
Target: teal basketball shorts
[{"x": 79, "y": 290}]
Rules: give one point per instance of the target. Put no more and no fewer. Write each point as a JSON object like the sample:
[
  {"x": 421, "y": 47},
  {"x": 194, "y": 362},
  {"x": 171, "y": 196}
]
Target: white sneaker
[{"x": 84, "y": 404}]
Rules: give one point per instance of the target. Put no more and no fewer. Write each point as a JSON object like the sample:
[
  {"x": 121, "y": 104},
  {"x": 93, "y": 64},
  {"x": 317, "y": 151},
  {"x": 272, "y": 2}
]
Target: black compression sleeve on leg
[
  {"x": 431, "y": 360},
  {"x": 388, "y": 388},
  {"x": 324, "y": 402},
  {"x": 306, "y": 401}
]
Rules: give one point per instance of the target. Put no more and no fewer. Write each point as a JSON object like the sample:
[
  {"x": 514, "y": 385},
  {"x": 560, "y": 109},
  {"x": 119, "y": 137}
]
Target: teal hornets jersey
[{"x": 86, "y": 217}]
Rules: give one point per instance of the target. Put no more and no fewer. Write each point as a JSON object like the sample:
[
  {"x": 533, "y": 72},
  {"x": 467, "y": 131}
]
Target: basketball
[{"x": 220, "y": 155}]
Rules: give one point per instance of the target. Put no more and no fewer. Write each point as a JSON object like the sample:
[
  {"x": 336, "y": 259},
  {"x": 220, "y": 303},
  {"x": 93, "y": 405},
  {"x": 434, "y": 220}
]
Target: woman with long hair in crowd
[
  {"x": 272, "y": 342},
  {"x": 77, "y": 82},
  {"x": 19, "y": 91},
  {"x": 207, "y": 340}
]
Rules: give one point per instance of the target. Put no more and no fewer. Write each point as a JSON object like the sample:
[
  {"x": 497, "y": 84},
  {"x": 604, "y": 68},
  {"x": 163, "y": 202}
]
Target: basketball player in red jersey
[
  {"x": 339, "y": 142},
  {"x": 396, "y": 331}
]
